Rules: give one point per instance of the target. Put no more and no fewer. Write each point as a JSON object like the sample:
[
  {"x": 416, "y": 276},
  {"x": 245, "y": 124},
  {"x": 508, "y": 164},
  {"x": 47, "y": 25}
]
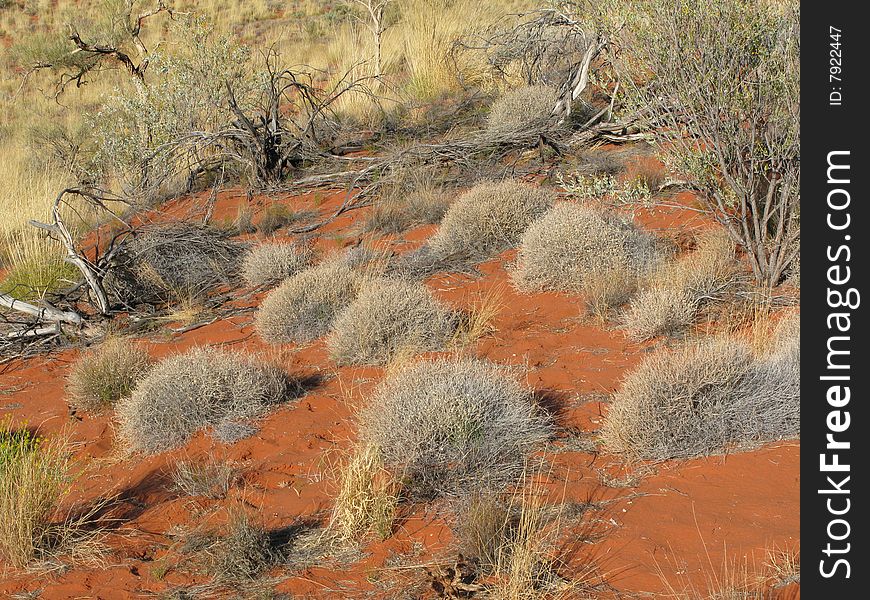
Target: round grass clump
[
  {"x": 389, "y": 317},
  {"x": 453, "y": 426},
  {"x": 304, "y": 306},
  {"x": 705, "y": 397},
  {"x": 107, "y": 373},
  {"x": 271, "y": 263},
  {"x": 200, "y": 388},
  {"x": 573, "y": 241},
  {"x": 522, "y": 109},
  {"x": 489, "y": 218}
]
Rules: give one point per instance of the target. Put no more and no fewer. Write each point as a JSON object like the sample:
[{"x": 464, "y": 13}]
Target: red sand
[{"x": 680, "y": 524}]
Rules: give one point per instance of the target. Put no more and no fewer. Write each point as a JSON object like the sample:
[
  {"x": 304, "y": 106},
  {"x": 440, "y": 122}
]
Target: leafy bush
[
  {"x": 450, "y": 427},
  {"x": 521, "y": 109},
  {"x": 271, "y": 263},
  {"x": 706, "y": 397},
  {"x": 104, "y": 375},
  {"x": 489, "y": 218},
  {"x": 200, "y": 388},
  {"x": 735, "y": 134},
  {"x": 571, "y": 242},
  {"x": 389, "y": 317},
  {"x": 305, "y": 305}
]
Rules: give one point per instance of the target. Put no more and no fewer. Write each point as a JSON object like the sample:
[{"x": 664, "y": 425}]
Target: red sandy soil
[{"x": 681, "y": 523}]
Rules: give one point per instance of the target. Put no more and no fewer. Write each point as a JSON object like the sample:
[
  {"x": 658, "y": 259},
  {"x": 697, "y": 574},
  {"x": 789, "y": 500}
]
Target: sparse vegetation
[
  {"x": 305, "y": 305},
  {"x": 564, "y": 249},
  {"x": 104, "y": 375},
  {"x": 452, "y": 427},
  {"x": 271, "y": 263},
  {"x": 389, "y": 317},
  {"x": 200, "y": 388}
]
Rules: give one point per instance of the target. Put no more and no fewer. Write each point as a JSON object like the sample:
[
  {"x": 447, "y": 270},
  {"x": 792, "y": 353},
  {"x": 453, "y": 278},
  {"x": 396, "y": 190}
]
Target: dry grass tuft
[
  {"x": 675, "y": 292},
  {"x": 705, "y": 397},
  {"x": 574, "y": 245},
  {"x": 451, "y": 427},
  {"x": 479, "y": 319},
  {"x": 35, "y": 477},
  {"x": 104, "y": 375},
  {"x": 367, "y": 499},
  {"x": 389, "y": 317},
  {"x": 416, "y": 198},
  {"x": 197, "y": 389},
  {"x": 522, "y": 109},
  {"x": 211, "y": 479},
  {"x": 489, "y": 218},
  {"x": 271, "y": 263},
  {"x": 305, "y": 305}
]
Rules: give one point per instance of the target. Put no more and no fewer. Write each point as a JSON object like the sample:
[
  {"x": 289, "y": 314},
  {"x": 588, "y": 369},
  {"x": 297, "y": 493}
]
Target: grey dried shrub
[
  {"x": 200, "y": 388},
  {"x": 305, "y": 305},
  {"x": 675, "y": 292},
  {"x": 489, "y": 218},
  {"x": 573, "y": 243},
  {"x": 522, "y": 109},
  {"x": 453, "y": 426},
  {"x": 707, "y": 397},
  {"x": 389, "y": 317},
  {"x": 271, "y": 263}
]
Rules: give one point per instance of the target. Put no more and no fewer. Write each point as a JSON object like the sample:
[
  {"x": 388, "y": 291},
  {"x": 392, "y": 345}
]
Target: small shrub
[
  {"x": 704, "y": 397},
  {"x": 521, "y": 109},
  {"x": 660, "y": 311},
  {"x": 572, "y": 242},
  {"x": 34, "y": 478},
  {"x": 244, "y": 221},
  {"x": 674, "y": 294},
  {"x": 243, "y": 553},
  {"x": 367, "y": 498},
  {"x": 604, "y": 291},
  {"x": 450, "y": 427},
  {"x": 271, "y": 263},
  {"x": 387, "y": 318},
  {"x": 104, "y": 375},
  {"x": 305, "y": 305},
  {"x": 484, "y": 522},
  {"x": 204, "y": 478},
  {"x": 197, "y": 389},
  {"x": 489, "y": 218}
]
